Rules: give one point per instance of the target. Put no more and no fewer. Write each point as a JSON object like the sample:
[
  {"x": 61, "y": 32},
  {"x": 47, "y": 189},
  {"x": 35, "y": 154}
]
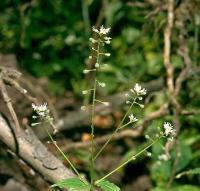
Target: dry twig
[{"x": 132, "y": 133}]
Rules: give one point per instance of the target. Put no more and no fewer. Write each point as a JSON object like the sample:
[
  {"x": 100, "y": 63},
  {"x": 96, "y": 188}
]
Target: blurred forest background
[{"x": 48, "y": 42}]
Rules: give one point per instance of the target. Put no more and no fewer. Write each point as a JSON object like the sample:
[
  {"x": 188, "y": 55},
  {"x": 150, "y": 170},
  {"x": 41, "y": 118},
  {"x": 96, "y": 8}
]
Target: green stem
[
  {"x": 62, "y": 153},
  {"x": 92, "y": 124},
  {"x": 116, "y": 130},
  {"x": 125, "y": 125},
  {"x": 127, "y": 161}
]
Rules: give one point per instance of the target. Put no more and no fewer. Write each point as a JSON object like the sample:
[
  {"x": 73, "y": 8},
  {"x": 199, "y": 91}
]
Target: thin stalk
[
  {"x": 116, "y": 130},
  {"x": 92, "y": 124},
  {"x": 125, "y": 125},
  {"x": 62, "y": 153},
  {"x": 127, "y": 161}
]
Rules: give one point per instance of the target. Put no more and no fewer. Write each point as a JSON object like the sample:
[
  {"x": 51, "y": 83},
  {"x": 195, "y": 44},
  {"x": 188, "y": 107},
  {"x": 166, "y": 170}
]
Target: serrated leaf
[
  {"x": 73, "y": 184},
  {"x": 108, "y": 186},
  {"x": 188, "y": 172}
]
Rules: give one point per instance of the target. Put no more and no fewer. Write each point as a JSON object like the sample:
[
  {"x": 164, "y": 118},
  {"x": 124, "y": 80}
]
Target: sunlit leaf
[
  {"x": 73, "y": 184},
  {"x": 108, "y": 186}
]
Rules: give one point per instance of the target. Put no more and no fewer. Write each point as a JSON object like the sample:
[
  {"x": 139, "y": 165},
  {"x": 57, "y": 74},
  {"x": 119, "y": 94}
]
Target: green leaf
[
  {"x": 177, "y": 188},
  {"x": 186, "y": 188},
  {"x": 188, "y": 172},
  {"x": 73, "y": 184},
  {"x": 184, "y": 158},
  {"x": 108, "y": 186}
]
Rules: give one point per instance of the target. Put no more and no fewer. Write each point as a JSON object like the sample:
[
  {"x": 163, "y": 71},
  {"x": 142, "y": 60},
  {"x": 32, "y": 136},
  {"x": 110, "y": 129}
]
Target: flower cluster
[
  {"x": 163, "y": 157},
  {"x": 168, "y": 129},
  {"x": 102, "y": 39},
  {"x": 134, "y": 97},
  {"x": 132, "y": 118},
  {"x": 101, "y": 31},
  {"x": 97, "y": 44},
  {"x": 139, "y": 90},
  {"x": 136, "y": 94},
  {"x": 42, "y": 112}
]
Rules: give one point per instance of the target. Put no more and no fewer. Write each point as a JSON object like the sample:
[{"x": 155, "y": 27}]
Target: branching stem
[
  {"x": 120, "y": 126},
  {"x": 127, "y": 161},
  {"x": 92, "y": 123}
]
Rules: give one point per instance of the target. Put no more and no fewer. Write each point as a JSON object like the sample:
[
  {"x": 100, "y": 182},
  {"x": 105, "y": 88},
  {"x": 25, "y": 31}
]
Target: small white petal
[
  {"x": 139, "y": 90},
  {"x": 106, "y": 103},
  {"x": 95, "y": 30},
  {"x": 104, "y": 30},
  {"x": 107, "y": 54},
  {"x": 169, "y": 130},
  {"x": 102, "y": 84},
  {"x": 97, "y": 65},
  {"x": 86, "y": 71},
  {"x": 83, "y": 108},
  {"x": 132, "y": 118},
  {"x": 84, "y": 92},
  {"x": 92, "y": 40},
  {"x": 163, "y": 157}
]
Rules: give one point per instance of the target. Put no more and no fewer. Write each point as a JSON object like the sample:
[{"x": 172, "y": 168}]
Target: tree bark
[{"x": 34, "y": 153}]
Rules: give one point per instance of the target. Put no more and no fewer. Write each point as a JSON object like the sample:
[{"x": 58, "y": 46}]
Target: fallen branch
[
  {"x": 34, "y": 153},
  {"x": 132, "y": 133},
  {"x": 79, "y": 118}
]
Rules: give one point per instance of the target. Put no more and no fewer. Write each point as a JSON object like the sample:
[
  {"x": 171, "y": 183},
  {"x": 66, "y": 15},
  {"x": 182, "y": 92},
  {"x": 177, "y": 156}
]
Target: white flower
[
  {"x": 141, "y": 105},
  {"x": 95, "y": 30},
  {"x": 107, "y": 54},
  {"x": 41, "y": 110},
  {"x": 84, "y": 92},
  {"x": 102, "y": 30},
  {"x": 92, "y": 40},
  {"x": 102, "y": 84},
  {"x": 139, "y": 90},
  {"x": 83, "y": 108},
  {"x": 96, "y": 65},
  {"x": 40, "y": 107},
  {"x": 86, "y": 71},
  {"x": 107, "y": 40},
  {"x": 132, "y": 118},
  {"x": 106, "y": 103},
  {"x": 168, "y": 129},
  {"x": 149, "y": 154},
  {"x": 163, "y": 157},
  {"x": 140, "y": 98}
]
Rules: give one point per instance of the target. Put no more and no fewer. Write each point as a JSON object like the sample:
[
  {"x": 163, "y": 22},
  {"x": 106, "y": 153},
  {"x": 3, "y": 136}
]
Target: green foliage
[
  {"x": 161, "y": 170},
  {"x": 73, "y": 184},
  {"x": 108, "y": 186},
  {"x": 50, "y": 39},
  {"x": 178, "y": 188},
  {"x": 186, "y": 188},
  {"x": 185, "y": 156}
]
